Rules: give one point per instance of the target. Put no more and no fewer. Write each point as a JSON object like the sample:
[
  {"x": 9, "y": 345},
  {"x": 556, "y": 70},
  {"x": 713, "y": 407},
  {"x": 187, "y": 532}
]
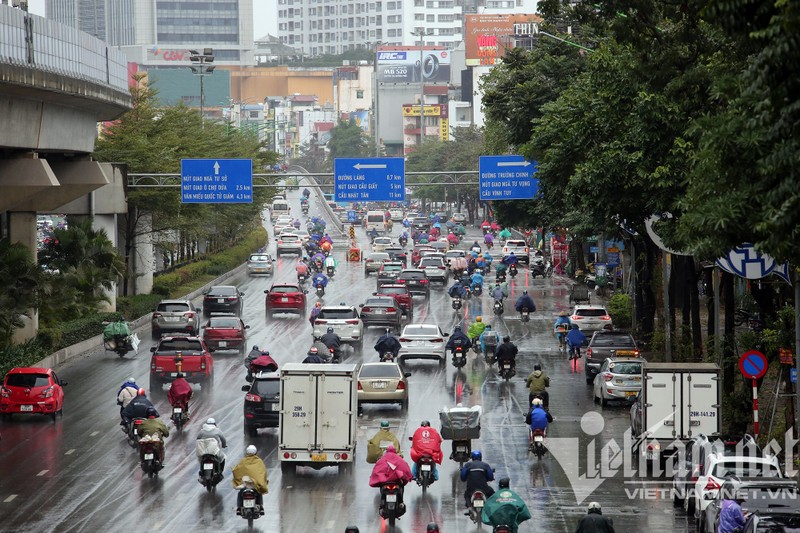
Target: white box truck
[
  {"x": 677, "y": 402},
  {"x": 318, "y": 414}
]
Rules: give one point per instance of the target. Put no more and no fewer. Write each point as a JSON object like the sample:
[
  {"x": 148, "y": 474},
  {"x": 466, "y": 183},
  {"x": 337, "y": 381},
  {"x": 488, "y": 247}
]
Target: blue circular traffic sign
[{"x": 753, "y": 364}]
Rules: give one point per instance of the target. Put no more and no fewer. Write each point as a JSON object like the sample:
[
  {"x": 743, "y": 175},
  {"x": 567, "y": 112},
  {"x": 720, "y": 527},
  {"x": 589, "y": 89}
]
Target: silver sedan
[
  {"x": 422, "y": 341},
  {"x": 620, "y": 378}
]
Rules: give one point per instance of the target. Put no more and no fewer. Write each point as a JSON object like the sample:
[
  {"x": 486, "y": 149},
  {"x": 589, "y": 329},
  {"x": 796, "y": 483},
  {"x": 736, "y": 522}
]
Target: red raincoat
[
  {"x": 426, "y": 441},
  {"x": 180, "y": 393},
  {"x": 390, "y": 467},
  {"x": 263, "y": 363}
]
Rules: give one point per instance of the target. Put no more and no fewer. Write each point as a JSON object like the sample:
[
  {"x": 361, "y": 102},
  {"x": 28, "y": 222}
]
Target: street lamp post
[
  {"x": 376, "y": 103},
  {"x": 421, "y": 33},
  {"x": 201, "y": 66}
]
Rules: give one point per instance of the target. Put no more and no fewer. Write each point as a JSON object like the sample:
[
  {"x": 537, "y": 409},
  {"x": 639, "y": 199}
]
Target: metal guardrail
[{"x": 37, "y": 43}]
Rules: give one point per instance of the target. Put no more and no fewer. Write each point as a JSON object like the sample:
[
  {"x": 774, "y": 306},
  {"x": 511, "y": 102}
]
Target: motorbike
[
  {"x": 387, "y": 357},
  {"x": 425, "y": 467},
  {"x": 476, "y": 249},
  {"x": 500, "y": 276},
  {"x": 304, "y": 208},
  {"x": 486, "y": 229},
  {"x": 320, "y": 291},
  {"x": 477, "y": 290},
  {"x": 537, "y": 443},
  {"x": 392, "y": 506},
  {"x": 538, "y": 269},
  {"x": 489, "y": 244},
  {"x": 211, "y": 476},
  {"x": 498, "y": 307},
  {"x": 506, "y": 371},
  {"x": 461, "y": 451},
  {"x": 512, "y": 271},
  {"x": 132, "y": 431},
  {"x": 122, "y": 344},
  {"x": 335, "y": 356},
  {"x": 488, "y": 354},
  {"x": 329, "y": 270},
  {"x": 151, "y": 459},
  {"x": 525, "y": 315},
  {"x": 459, "y": 358},
  {"x": 476, "y": 503},
  {"x": 249, "y": 510},
  {"x": 301, "y": 278},
  {"x": 456, "y": 303},
  {"x": 179, "y": 416}
]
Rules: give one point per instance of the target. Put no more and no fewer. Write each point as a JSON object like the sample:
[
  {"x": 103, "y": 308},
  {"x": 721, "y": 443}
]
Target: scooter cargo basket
[{"x": 460, "y": 423}]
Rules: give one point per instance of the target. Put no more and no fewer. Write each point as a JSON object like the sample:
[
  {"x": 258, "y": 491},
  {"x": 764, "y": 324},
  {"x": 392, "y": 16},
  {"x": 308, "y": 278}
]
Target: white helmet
[
  {"x": 594, "y": 506},
  {"x": 537, "y": 402},
  {"x": 211, "y": 422},
  {"x": 251, "y": 450}
]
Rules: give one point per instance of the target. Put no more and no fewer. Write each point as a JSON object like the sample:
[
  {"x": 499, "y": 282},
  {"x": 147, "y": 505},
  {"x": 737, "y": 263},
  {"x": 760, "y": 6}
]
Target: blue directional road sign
[
  {"x": 377, "y": 179},
  {"x": 352, "y": 217},
  {"x": 507, "y": 177},
  {"x": 214, "y": 181}
]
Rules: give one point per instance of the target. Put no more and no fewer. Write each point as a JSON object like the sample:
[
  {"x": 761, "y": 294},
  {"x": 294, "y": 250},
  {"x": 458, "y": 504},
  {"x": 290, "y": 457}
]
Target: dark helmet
[
  {"x": 524, "y": 292},
  {"x": 351, "y": 529},
  {"x": 330, "y": 329},
  {"x": 476, "y": 455},
  {"x": 506, "y": 339},
  {"x": 388, "y": 330},
  {"x": 575, "y": 326},
  {"x": 425, "y": 424},
  {"x": 457, "y": 328},
  {"x": 255, "y": 347},
  {"x": 180, "y": 375},
  {"x": 384, "y": 423},
  {"x": 504, "y": 483},
  {"x": 264, "y": 352},
  {"x": 433, "y": 526},
  {"x": 537, "y": 366},
  {"x": 151, "y": 412}
]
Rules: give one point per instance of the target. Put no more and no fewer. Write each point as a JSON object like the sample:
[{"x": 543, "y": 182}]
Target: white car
[
  {"x": 520, "y": 249},
  {"x": 396, "y": 215},
  {"x": 289, "y": 243},
  {"x": 423, "y": 341},
  {"x": 718, "y": 466},
  {"x": 459, "y": 218},
  {"x": 379, "y": 244},
  {"x": 345, "y": 321},
  {"x": 434, "y": 268},
  {"x": 591, "y": 318},
  {"x": 619, "y": 378}
]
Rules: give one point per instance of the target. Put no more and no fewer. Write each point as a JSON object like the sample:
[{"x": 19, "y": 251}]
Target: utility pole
[{"x": 421, "y": 33}]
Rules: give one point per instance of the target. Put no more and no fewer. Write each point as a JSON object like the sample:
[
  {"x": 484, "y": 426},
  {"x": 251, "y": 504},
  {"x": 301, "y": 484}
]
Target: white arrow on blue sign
[
  {"x": 378, "y": 179},
  {"x": 507, "y": 177},
  {"x": 213, "y": 181}
]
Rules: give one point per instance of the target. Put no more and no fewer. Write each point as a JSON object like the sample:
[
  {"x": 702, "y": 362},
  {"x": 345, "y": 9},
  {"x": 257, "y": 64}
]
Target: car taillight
[
  {"x": 366, "y": 309},
  {"x": 203, "y": 363},
  {"x": 231, "y": 298},
  {"x": 359, "y": 386},
  {"x": 712, "y": 484},
  {"x": 605, "y": 317},
  {"x": 391, "y": 310},
  {"x": 157, "y": 315},
  {"x": 5, "y": 393},
  {"x": 401, "y": 385},
  {"x": 441, "y": 268},
  {"x": 588, "y": 352},
  {"x": 403, "y": 339},
  {"x": 351, "y": 322},
  {"x": 320, "y": 321},
  {"x": 636, "y": 353},
  {"x": 400, "y": 280},
  {"x": 190, "y": 314},
  {"x": 280, "y": 241},
  {"x": 576, "y": 317},
  {"x": 608, "y": 376},
  {"x": 423, "y": 281},
  {"x": 152, "y": 365},
  {"x": 437, "y": 340},
  {"x": 526, "y": 250},
  {"x": 252, "y": 398}
]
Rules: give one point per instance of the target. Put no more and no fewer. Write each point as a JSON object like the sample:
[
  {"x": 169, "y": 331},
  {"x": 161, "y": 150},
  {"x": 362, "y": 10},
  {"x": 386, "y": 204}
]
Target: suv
[
  {"x": 222, "y": 299},
  {"x": 225, "y": 333},
  {"x": 289, "y": 243},
  {"x": 262, "y": 402},
  {"x": 434, "y": 268},
  {"x": 605, "y": 344},
  {"x": 519, "y": 248},
  {"x": 591, "y": 318},
  {"x": 389, "y": 272},
  {"x": 416, "y": 280},
  {"x": 345, "y": 321},
  {"x": 285, "y": 298},
  {"x": 195, "y": 360},
  {"x": 174, "y": 316},
  {"x": 379, "y": 244}
]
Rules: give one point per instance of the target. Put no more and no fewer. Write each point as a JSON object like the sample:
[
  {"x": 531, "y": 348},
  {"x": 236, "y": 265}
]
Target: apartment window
[
  {"x": 419, "y": 3},
  {"x": 391, "y": 33},
  {"x": 446, "y": 18},
  {"x": 394, "y": 19},
  {"x": 430, "y": 18},
  {"x": 419, "y": 16},
  {"x": 389, "y": 5},
  {"x": 360, "y": 95},
  {"x": 446, "y": 31}
]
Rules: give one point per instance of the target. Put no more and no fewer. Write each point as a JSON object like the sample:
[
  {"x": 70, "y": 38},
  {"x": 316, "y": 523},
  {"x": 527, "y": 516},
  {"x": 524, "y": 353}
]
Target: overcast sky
[{"x": 264, "y": 19}]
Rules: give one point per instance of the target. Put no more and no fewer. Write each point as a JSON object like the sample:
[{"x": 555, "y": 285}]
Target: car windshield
[
  {"x": 337, "y": 314},
  {"x": 744, "y": 468},
  {"x": 379, "y": 371},
  {"x": 222, "y": 291},
  {"x": 520, "y": 244},
  {"x": 392, "y": 267},
  {"x": 267, "y": 387},
  {"x": 180, "y": 345},
  {"x": 613, "y": 340},
  {"x": 394, "y": 290},
  {"x": 455, "y": 253},
  {"x": 283, "y": 289},
  {"x": 412, "y": 275},
  {"x": 595, "y": 311},
  {"x": 383, "y": 240},
  {"x": 431, "y": 262},
  {"x": 420, "y": 220},
  {"x": 630, "y": 369},
  {"x": 378, "y": 257},
  {"x": 427, "y": 331},
  {"x": 289, "y": 237},
  {"x": 259, "y": 258},
  {"x": 379, "y": 302},
  {"x": 173, "y": 307},
  {"x": 223, "y": 323},
  {"x": 28, "y": 380}
]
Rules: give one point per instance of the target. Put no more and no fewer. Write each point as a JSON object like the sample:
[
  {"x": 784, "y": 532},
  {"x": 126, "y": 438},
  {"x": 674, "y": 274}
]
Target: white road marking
[
  {"x": 69, "y": 452},
  {"x": 330, "y": 524},
  {"x": 43, "y": 472},
  {"x": 93, "y": 433},
  {"x": 10, "y": 498}
]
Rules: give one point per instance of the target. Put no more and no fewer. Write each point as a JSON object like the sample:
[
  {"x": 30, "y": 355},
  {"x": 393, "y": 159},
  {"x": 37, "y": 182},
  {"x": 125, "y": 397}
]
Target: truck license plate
[
  {"x": 426, "y": 468},
  {"x": 26, "y": 408},
  {"x": 319, "y": 456},
  {"x": 391, "y": 498},
  {"x": 148, "y": 457}
]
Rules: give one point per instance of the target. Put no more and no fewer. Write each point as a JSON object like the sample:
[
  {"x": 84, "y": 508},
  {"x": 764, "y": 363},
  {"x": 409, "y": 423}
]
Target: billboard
[
  {"x": 400, "y": 64},
  {"x": 486, "y": 35}
]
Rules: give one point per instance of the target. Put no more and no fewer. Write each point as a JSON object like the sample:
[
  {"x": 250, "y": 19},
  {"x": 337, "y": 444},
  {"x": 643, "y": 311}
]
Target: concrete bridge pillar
[
  {"x": 22, "y": 229},
  {"x": 143, "y": 259}
]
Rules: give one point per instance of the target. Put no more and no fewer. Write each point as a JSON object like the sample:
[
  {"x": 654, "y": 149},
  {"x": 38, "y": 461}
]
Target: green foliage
[
  {"x": 133, "y": 307},
  {"x": 67, "y": 333},
  {"x": 348, "y": 140},
  {"x": 19, "y": 280},
  {"x": 779, "y": 333},
  {"x": 620, "y": 307},
  {"x": 25, "y": 354}
]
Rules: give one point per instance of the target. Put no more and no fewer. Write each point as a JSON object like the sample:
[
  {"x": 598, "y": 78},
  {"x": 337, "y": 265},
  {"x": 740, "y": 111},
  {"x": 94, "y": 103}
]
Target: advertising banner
[
  {"x": 487, "y": 35},
  {"x": 401, "y": 65}
]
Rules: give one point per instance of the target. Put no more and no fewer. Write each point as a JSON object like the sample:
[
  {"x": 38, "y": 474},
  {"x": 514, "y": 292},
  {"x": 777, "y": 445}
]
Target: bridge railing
[{"x": 37, "y": 43}]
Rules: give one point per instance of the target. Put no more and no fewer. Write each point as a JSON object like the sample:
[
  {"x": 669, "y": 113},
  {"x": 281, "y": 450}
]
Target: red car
[
  {"x": 401, "y": 296},
  {"x": 32, "y": 390},
  {"x": 285, "y": 298},
  {"x": 225, "y": 333}
]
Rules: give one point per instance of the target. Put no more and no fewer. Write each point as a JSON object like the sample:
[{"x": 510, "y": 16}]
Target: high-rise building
[
  {"x": 317, "y": 27},
  {"x": 161, "y": 32}
]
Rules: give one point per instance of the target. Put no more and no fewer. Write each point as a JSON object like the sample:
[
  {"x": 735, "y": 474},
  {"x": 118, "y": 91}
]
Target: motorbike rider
[
  {"x": 477, "y": 474},
  {"x": 153, "y": 429},
  {"x": 504, "y": 235},
  {"x": 575, "y": 339},
  {"x": 313, "y": 357},
  {"x": 731, "y": 518},
  {"x": 372, "y": 234},
  {"x": 306, "y": 192},
  {"x": 330, "y": 262},
  {"x": 302, "y": 268},
  {"x": 507, "y": 353},
  {"x": 115, "y": 333},
  {"x": 380, "y": 441},
  {"x": 251, "y": 469},
  {"x": 538, "y": 418},
  {"x": 537, "y": 383},
  {"x": 595, "y": 522},
  {"x": 505, "y": 507},
  {"x": 498, "y": 294},
  {"x": 320, "y": 280},
  {"x": 457, "y": 290},
  {"x": 391, "y": 468},
  {"x": 458, "y": 265},
  {"x": 458, "y": 338},
  {"x": 488, "y": 240},
  {"x": 126, "y": 393},
  {"x": 263, "y": 363},
  {"x": 476, "y": 280},
  {"x": 476, "y": 329},
  {"x": 480, "y": 262},
  {"x": 452, "y": 239},
  {"x": 525, "y": 302},
  {"x": 388, "y": 343},
  {"x": 510, "y": 259},
  {"x": 485, "y": 226},
  {"x": 487, "y": 258},
  {"x": 563, "y": 321},
  {"x": 315, "y": 311},
  {"x": 332, "y": 341},
  {"x": 136, "y": 408},
  {"x": 210, "y": 441},
  {"x": 318, "y": 261},
  {"x": 489, "y": 341},
  {"x": 180, "y": 392},
  {"x": 426, "y": 441},
  {"x": 296, "y": 224},
  {"x": 326, "y": 238}
]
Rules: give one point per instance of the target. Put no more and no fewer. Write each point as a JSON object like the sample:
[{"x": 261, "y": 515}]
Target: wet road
[{"x": 79, "y": 474}]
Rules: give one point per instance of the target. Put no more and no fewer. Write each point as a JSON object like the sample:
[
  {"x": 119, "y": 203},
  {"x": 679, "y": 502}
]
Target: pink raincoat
[{"x": 390, "y": 467}]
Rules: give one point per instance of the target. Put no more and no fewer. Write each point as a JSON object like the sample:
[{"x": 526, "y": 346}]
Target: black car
[
  {"x": 397, "y": 254},
  {"x": 262, "y": 402},
  {"x": 605, "y": 344},
  {"x": 222, "y": 299},
  {"x": 421, "y": 223},
  {"x": 416, "y": 280}
]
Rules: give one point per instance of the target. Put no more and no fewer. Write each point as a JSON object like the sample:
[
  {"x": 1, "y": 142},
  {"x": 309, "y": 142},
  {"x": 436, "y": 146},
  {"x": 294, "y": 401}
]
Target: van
[
  {"x": 279, "y": 207},
  {"x": 375, "y": 220}
]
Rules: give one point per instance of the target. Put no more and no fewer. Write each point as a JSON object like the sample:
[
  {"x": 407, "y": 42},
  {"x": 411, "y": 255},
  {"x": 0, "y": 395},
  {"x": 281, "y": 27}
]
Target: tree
[
  {"x": 19, "y": 282},
  {"x": 348, "y": 140}
]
